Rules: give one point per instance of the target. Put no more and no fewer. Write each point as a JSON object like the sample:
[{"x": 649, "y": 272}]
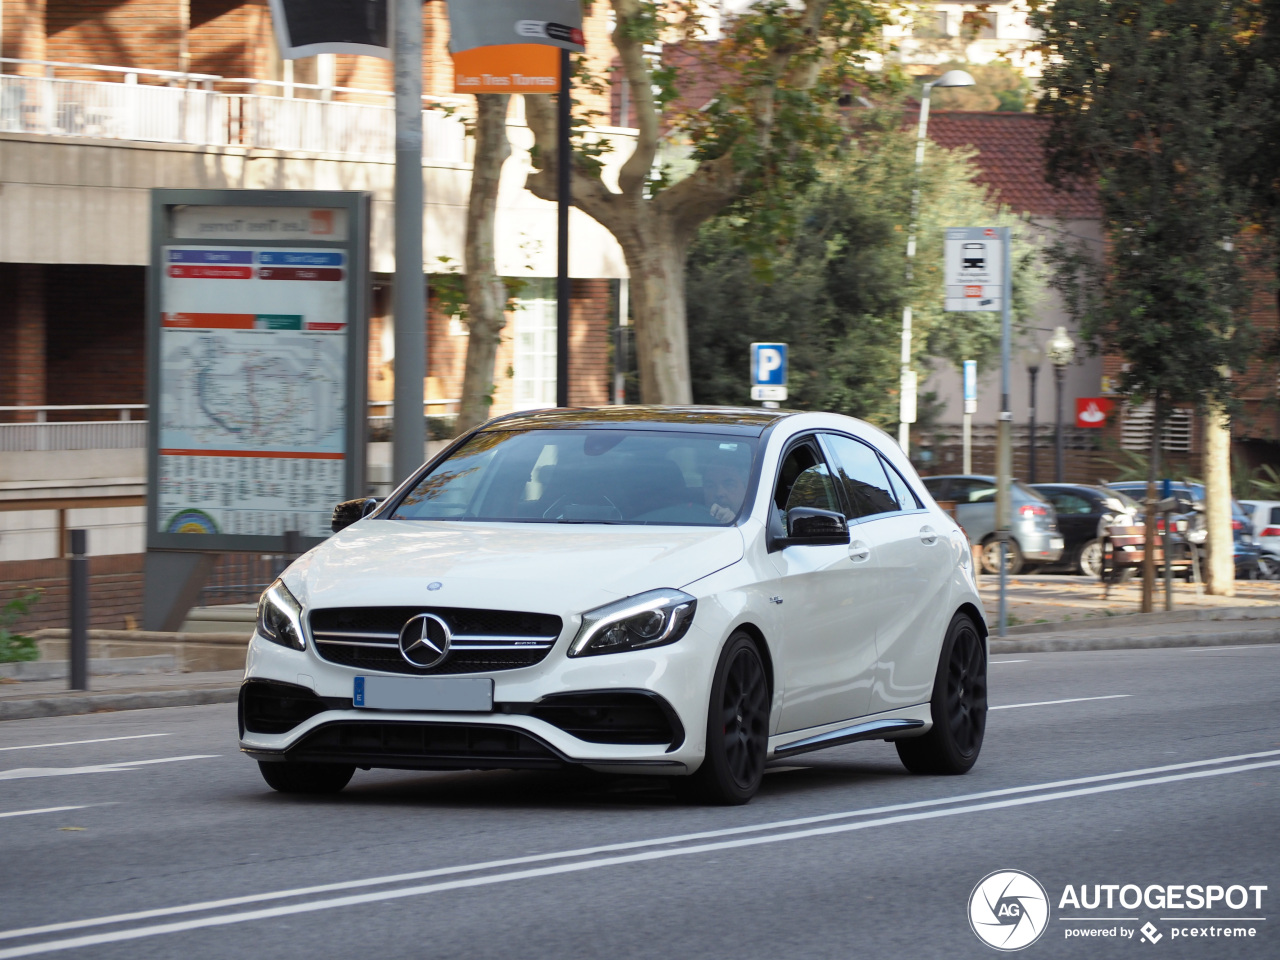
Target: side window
[
  {"x": 1068, "y": 504},
  {"x": 972, "y": 491},
  {"x": 1275, "y": 515},
  {"x": 937, "y": 488},
  {"x": 798, "y": 459},
  {"x": 814, "y": 488},
  {"x": 905, "y": 496},
  {"x": 866, "y": 487}
]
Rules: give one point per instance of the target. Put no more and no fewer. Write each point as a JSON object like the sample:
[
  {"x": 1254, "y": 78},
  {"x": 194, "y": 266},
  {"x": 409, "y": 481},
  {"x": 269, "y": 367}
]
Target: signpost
[
  {"x": 256, "y": 362},
  {"x": 970, "y": 408},
  {"x": 975, "y": 268},
  {"x": 769, "y": 373}
]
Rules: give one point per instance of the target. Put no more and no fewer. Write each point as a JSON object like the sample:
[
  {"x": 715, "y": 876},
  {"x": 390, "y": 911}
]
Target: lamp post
[
  {"x": 907, "y": 381},
  {"x": 1032, "y": 356},
  {"x": 1060, "y": 350}
]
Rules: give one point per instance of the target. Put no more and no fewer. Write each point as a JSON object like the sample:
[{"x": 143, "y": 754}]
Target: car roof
[{"x": 743, "y": 421}]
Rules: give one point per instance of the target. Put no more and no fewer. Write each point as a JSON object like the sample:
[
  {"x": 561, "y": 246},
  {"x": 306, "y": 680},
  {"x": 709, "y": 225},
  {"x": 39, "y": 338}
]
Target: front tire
[
  {"x": 737, "y": 728},
  {"x": 958, "y": 706},
  {"x": 310, "y": 778}
]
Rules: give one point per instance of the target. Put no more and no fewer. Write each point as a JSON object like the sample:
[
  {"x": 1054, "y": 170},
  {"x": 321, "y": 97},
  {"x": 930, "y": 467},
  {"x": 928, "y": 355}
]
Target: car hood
[{"x": 545, "y": 568}]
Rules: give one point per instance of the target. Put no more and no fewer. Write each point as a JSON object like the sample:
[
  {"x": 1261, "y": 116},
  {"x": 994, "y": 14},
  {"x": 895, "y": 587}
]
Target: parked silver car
[{"x": 1035, "y": 529}]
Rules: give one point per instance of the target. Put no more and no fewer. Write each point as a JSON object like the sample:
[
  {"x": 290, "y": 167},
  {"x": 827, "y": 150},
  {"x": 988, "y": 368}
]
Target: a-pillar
[
  {"x": 24, "y": 35},
  {"x": 22, "y": 327}
]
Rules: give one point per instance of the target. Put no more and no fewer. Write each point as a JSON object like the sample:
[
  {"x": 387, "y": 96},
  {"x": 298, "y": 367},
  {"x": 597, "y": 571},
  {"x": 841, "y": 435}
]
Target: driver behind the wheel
[{"x": 724, "y": 482}]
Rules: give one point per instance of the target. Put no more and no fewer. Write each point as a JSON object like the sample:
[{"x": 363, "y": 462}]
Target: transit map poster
[{"x": 252, "y": 393}]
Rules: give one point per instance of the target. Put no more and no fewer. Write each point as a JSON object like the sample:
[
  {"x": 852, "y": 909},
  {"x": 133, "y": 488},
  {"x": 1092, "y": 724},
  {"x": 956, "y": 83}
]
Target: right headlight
[
  {"x": 646, "y": 620},
  {"x": 280, "y": 616}
]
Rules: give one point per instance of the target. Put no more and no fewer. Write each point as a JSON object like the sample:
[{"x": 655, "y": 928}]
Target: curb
[
  {"x": 73, "y": 704},
  {"x": 1123, "y": 620},
  {"x": 1067, "y": 644}
]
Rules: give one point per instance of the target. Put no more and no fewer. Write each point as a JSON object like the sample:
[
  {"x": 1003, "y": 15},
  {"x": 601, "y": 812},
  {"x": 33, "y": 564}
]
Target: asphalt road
[{"x": 162, "y": 840}]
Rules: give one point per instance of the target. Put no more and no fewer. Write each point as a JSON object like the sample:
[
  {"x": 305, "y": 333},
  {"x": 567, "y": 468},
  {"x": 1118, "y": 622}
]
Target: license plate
[
  {"x": 1055, "y": 544},
  {"x": 445, "y": 694}
]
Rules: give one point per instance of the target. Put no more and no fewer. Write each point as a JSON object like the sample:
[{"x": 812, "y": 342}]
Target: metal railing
[
  {"x": 79, "y": 434},
  {"x": 208, "y": 110}
]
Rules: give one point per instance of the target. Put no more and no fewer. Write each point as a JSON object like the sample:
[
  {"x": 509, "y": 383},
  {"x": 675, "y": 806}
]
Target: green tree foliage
[
  {"x": 1139, "y": 94},
  {"x": 833, "y": 288},
  {"x": 15, "y": 646}
]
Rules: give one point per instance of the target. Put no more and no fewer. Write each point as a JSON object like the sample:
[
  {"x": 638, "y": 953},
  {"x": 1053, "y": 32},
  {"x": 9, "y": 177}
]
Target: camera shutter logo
[
  {"x": 1009, "y": 910},
  {"x": 424, "y": 640}
]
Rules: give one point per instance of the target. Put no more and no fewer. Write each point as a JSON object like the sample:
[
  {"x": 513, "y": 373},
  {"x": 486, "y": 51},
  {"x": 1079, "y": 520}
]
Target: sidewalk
[{"x": 1206, "y": 626}]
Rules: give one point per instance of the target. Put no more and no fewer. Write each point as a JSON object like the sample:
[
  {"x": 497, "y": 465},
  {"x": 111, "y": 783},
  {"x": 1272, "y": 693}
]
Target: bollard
[{"x": 79, "y": 649}]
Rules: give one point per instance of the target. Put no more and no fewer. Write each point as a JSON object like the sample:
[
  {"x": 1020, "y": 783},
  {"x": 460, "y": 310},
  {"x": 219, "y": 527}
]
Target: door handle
[
  {"x": 928, "y": 535},
  {"x": 859, "y": 552}
]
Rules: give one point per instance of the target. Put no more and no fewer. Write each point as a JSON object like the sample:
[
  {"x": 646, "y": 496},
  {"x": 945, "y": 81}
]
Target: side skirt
[{"x": 871, "y": 730}]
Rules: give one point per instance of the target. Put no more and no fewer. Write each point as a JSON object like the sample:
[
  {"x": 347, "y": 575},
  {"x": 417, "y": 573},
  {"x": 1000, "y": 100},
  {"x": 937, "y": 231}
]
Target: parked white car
[{"x": 686, "y": 592}]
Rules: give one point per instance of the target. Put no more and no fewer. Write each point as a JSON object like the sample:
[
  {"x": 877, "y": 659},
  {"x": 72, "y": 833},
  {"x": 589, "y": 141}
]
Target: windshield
[{"x": 587, "y": 476}]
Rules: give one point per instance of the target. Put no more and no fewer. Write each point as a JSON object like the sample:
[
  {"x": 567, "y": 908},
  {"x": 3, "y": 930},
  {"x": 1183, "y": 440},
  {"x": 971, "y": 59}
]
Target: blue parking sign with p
[{"x": 768, "y": 364}]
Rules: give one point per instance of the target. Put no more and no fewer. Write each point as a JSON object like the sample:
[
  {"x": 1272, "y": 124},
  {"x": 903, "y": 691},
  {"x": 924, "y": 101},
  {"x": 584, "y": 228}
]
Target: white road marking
[
  {"x": 73, "y": 743},
  {"x": 492, "y": 879},
  {"x": 1010, "y": 661},
  {"x": 610, "y": 848},
  {"x": 1050, "y": 703},
  {"x": 26, "y": 773},
  {"x": 25, "y": 813}
]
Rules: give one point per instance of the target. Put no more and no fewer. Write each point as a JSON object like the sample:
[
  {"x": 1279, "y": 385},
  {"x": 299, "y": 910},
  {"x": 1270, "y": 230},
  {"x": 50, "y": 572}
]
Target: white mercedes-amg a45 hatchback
[{"x": 687, "y": 592}]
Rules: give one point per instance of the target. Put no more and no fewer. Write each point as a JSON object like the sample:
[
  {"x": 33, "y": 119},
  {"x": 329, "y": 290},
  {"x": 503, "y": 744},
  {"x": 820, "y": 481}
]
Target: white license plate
[
  {"x": 1056, "y": 543},
  {"x": 445, "y": 694}
]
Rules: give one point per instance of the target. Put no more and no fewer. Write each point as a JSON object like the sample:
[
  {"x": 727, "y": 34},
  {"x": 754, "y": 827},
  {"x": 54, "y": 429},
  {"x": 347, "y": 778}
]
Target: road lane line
[
  {"x": 580, "y": 866},
  {"x": 1010, "y": 661},
  {"x": 199, "y": 907},
  {"x": 26, "y": 813},
  {"x": 27, "y": 773},
  {"x": 1051, "y": 703},
  {"x": 74, "y": 743}
]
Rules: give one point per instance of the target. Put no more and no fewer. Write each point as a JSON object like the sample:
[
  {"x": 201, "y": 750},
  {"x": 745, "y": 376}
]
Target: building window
[
  {"x": 1135, "y": 430},
  {"x": 534, "y": 360}
]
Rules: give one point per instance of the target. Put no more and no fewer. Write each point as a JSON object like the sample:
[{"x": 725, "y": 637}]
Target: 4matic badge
[{"x": 1009, "y": 910}]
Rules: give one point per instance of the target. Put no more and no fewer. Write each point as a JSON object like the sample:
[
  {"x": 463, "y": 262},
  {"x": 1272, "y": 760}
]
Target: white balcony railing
[{"x": 207, "y": 110}]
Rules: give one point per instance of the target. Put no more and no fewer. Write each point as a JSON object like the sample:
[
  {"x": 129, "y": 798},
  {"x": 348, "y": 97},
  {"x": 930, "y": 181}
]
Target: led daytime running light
[
  {"x": 647, "y": 620},
  {"x": 280, "y": 617}
]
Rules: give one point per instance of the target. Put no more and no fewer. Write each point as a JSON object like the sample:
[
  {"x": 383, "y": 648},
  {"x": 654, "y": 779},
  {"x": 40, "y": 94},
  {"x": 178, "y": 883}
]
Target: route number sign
[{"x": 256, "y": 362}]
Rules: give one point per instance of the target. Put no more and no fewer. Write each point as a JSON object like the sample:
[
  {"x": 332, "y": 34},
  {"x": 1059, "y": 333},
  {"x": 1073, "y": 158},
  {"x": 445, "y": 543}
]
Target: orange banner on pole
[{"x": 507, "y": 68}]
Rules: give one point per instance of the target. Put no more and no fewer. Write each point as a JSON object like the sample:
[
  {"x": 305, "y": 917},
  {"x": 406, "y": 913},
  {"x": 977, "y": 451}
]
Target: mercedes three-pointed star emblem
[{"x": 424, "y": 640}]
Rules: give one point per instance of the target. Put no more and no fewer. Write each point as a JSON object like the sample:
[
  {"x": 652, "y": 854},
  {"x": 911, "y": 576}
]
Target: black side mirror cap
[
  {"x": 811, "y": 526},
  {"x": 349, "y": 511}
]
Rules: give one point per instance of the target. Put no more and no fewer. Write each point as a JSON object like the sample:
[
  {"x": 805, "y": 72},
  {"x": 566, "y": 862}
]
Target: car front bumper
[{"x": 557, "y": 712}]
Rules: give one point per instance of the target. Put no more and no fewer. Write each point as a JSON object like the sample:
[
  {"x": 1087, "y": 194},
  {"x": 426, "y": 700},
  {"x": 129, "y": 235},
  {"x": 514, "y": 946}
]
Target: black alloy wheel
[
  {"x": 313, "y": 778},
  {"x": 737, "y": 728},
  {"x": 958, "y": 706}
]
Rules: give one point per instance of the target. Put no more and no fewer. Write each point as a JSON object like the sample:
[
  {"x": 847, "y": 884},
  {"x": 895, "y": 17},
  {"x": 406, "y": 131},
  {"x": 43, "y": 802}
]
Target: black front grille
[
  {"x": 267, "y": 706},
  {"x": 608, "y": 716},
  {"x": 424, "y": 746},
  {"x": 367, "y": 638}
]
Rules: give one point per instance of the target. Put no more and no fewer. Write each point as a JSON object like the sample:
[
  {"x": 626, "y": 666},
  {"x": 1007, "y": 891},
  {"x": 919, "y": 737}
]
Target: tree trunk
[
  {"x": 486, "y": 293},
  {"x": 656, "y": 262},
  {"x": 1149, "y": 523},
  {"x": 1220, "y": 576}
]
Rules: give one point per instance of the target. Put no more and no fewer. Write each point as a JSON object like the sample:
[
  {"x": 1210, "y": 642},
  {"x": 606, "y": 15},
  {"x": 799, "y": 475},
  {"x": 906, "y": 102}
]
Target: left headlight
[
  {"x": 646, "y": 620},
  {"x": 280, "y": 617}
]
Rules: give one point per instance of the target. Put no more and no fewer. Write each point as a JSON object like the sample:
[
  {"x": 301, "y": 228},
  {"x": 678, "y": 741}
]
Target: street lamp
[
  {"x": 1032, "y": 356},
  {"x": 907, "y": 381},
  {"x": 1060, "y": 350}
]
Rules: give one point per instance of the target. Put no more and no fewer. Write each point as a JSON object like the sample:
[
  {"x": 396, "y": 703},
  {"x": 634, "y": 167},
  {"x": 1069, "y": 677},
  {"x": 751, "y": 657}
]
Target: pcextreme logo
[{"x": 1009, "y": 910}]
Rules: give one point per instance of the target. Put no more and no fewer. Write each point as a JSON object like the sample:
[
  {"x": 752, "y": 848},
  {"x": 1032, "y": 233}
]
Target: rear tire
[
  {"x": 1089, "y": 559},
  {"x": 312, "y": 778},
  {"x": 958, "y": 706},
  {"x": 991, "y": 557},
  {"x": 737, "y": 729}
]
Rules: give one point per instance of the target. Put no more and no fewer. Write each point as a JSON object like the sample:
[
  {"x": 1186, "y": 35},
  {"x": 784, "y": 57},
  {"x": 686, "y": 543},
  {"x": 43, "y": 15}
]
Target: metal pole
[
  {"x": 79, "y": 648},
  {"x": 620, "y": 354},
  {"x": 906, "y": 380},
  {"x": 1004, "y": 447},
  {"x": 1031, "y": 441},
  {"x": 409, "y": 302},
  {"x": 1058, "y": 371},
  {"x": 968, "y": 442},
  {"x": 563, "y": 160}
]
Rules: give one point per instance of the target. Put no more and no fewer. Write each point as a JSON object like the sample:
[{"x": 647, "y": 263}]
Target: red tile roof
[{"x": 1011, "y": 157}]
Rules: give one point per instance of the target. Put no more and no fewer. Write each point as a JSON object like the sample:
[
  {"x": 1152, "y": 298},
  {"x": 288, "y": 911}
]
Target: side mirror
[
  {"x": 810, "y": 525},
  {"x": 349, "y": 511}
]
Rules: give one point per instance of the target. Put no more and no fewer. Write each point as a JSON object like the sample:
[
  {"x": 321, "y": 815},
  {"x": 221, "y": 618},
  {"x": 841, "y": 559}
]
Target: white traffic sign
[{"x": 973, "y": 268}]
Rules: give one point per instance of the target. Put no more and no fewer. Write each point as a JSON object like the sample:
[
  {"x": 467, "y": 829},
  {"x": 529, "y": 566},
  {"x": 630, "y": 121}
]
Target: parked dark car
[
  {"x": 1083, "y": 511},
  {"x": 1246, "y": 549}
]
